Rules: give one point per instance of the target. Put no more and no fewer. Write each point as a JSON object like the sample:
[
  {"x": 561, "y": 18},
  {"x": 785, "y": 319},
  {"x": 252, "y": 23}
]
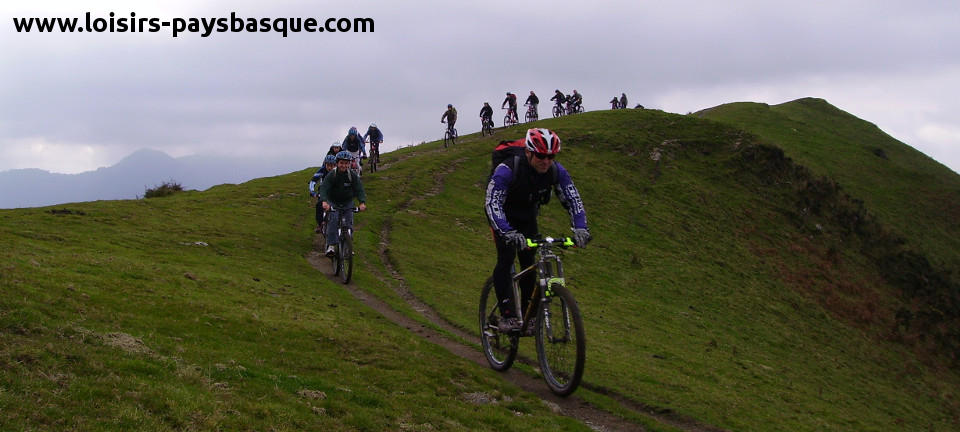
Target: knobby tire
[
  {"x": 346, "y": 256},
  {"x": 561, "y": 344},
  {"x": 500, "y": 349}
]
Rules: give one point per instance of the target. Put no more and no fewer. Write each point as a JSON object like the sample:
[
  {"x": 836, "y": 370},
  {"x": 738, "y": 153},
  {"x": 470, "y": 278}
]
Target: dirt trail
[{"x": 571, "y": 406}]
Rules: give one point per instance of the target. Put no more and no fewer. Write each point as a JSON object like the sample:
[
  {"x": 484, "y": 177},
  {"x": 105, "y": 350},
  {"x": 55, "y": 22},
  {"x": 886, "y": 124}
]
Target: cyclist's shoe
[
  {"x": 331, "y": 251},
  {"x": 508, "y": 325}
]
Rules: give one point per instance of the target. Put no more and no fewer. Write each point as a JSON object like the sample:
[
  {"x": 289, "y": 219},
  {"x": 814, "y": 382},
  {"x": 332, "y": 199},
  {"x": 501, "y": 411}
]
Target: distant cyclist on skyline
[
  {"x": 511, "y": 101},
  {"x": 532, "y": 102},
  {"x": 449, "y": 117},
  {"x": 486, "y": 113}
]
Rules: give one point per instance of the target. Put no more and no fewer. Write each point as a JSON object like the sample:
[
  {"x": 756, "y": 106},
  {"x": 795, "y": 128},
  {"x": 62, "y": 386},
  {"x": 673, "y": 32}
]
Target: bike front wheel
[
  {"x": 557, "y": 111},
  {"x": 447, "y": 139},
  {"x": 561, "y": 342},
  {"x": 499, "y": 348},
  {"x": 372, "y": 161},
  {"x": 346, "y": 257}
]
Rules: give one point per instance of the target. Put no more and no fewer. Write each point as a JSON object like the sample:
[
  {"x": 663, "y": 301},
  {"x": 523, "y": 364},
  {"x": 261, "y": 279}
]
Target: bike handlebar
[{"x": 563, "y": 242}]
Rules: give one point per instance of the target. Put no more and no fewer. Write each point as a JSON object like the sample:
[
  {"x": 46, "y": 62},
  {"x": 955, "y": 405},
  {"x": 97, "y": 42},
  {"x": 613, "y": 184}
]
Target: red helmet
[{"x": 543, "y": 141}]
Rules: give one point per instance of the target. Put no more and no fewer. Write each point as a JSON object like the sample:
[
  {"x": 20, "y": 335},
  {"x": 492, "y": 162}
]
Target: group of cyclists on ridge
[
  {"x": 337, "y": 183},
  {"x": 565, "y": 104}
]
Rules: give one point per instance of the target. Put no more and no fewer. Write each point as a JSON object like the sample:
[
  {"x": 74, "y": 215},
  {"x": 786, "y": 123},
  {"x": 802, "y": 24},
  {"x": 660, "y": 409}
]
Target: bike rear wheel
[
  {"x": 346, "y": 256},
  {"x": 561, "y": 342},
  {"x": 499, "y": 348}
]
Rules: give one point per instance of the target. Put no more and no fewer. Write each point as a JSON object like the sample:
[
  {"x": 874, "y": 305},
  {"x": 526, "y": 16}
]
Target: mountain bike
[
  {"x": 511, "y": 118},
  {"x": 343, "y": 260},
  {"x": 573, "y": 108},
  {"x": 450, "y": 136},
  {"x": 558, "y": 110},
  {"x": 374, "y": 156},
  {"x": 531, "y": 114},
  {"x": 487, "y": 126},
  {"x": 552, "y": 315}
]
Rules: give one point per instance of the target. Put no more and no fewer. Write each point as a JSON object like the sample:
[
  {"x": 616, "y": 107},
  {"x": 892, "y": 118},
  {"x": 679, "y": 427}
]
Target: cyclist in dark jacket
[
  {"x": 511, "y": 101},
  {"x": 559, "y": 97},
  {"x": 449, "y": 116},
  {"x": 576, "y": 99},
  {"x": 329, "y": 164},
  {"x": 486, "y": 113},
  {"x": 353, "y": 143},
  {"x": 532, "y": 101},
  {"x": 337, "y": 192},
  {"x": 513, "y": 200},
  {"x": 623, "y": 100},
  {"x": 374, "y": 133}
]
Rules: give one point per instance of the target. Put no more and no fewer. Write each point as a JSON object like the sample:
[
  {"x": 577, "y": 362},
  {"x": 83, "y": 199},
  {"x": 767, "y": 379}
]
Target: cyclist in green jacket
[
  {"x": 449, "y": 117},
  {"x": 337, "y": 193}
]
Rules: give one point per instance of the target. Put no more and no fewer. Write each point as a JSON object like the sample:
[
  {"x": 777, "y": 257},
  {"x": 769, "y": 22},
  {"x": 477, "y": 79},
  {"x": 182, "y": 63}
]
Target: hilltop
[{"x": 728, "y": 283}]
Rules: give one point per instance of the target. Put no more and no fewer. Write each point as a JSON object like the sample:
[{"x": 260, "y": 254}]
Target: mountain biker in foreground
[
  {"x": 329, "y": 164},
  {"x": 510, "y": 100},
  {"x": 375, "y": 135},
  {"x": 353, "y": 143},
  {"x": 336, "y": 194},
  {"x": 532, "y": 102},
  {"x": 515, "y": 192},
  {"x": 449, "y": 117},
  {"x": 486, "y": 114}
]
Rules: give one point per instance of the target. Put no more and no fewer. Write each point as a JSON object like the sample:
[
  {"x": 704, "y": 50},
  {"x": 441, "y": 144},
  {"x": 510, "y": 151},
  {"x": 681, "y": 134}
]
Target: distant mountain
[{"x": 130, "y": 177}]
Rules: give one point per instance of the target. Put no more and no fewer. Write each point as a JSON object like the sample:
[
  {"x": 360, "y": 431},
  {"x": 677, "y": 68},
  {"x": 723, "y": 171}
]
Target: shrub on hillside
[{"x": 167, "y": 188}]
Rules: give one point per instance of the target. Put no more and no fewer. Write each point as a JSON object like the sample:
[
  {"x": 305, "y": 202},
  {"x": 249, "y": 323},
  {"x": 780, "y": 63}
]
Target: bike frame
[{"x": 549, "y": 269}]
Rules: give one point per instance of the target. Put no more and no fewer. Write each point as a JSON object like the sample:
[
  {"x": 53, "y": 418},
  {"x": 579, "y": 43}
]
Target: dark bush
[{"x": 166, "y": 189}]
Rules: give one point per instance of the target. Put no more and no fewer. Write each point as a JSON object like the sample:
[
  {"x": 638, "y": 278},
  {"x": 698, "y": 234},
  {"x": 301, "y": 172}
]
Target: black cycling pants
[{"x": 503, "y": 272}]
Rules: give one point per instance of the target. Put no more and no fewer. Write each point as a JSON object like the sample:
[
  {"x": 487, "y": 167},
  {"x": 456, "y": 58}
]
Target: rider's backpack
[{"x": 513, "y": 153}]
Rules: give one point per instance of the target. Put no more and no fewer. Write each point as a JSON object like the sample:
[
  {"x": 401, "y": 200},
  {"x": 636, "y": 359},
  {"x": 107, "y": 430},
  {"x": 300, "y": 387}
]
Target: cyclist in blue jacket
[
  {"x": 353, "y": 143},
  {"x": 374, "y": 133},
  {"x": 515, "y": 192}
]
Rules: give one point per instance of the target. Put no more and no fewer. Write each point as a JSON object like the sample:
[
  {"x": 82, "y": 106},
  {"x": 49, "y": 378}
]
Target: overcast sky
[{"x": 75, "y": 102}]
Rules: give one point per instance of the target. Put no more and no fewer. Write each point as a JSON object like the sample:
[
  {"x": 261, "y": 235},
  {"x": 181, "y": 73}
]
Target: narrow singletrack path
[{"x": 571, "y": 406}]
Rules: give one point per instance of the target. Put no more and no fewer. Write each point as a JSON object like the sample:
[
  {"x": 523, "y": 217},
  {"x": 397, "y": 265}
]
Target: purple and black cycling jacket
[{"x": 517, "y": 196}]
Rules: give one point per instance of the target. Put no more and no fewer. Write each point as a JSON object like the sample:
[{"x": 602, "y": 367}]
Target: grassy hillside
[
  {"x": 199, "y": 312},
  {"x": 706, "y": 294},
  {"x": 703, "y": 294},
  {"x": 917, "y": 196}
]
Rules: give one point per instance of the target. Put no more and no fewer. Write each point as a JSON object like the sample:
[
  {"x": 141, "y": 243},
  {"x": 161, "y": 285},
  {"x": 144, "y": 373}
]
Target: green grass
[
  {"x": 705, "y": 293},
  {"x": 113, "y": 316},
  {"x": 701, "y": 293},
  {"x": 896, "y": 182}
]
